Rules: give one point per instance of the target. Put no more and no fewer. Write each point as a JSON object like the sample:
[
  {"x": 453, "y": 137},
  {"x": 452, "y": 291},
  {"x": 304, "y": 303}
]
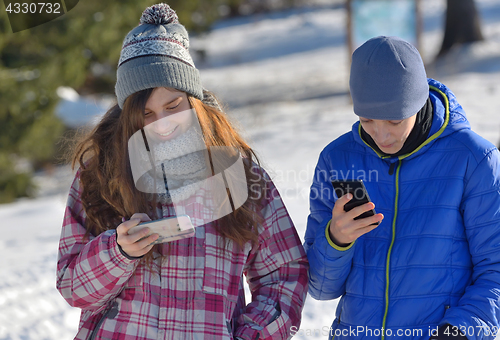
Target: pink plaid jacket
[{"x": 196, "y": 291}]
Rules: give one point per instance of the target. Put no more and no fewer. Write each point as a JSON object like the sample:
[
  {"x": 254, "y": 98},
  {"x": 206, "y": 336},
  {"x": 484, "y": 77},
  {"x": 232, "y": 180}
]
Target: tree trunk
[{"x": 462, "y": 24}]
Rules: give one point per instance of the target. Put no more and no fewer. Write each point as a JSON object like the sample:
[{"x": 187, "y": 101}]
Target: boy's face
[{"x": 389, "y": 135}]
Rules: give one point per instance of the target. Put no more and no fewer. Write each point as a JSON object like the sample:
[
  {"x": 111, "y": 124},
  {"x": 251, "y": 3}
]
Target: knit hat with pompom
[{"x": 156, "y": 54}]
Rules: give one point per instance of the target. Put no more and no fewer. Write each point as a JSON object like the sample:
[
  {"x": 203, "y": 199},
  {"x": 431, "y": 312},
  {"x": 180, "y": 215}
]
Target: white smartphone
[{"x": 170, "y": 228}]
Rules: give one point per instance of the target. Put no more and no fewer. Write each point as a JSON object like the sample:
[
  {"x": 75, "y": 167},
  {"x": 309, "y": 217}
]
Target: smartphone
[
  {"x": 169, "y": 229},
  {"x": 359, "y": 196}
]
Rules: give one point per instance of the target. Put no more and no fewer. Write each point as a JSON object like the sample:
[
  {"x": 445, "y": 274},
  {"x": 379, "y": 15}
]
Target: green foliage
[{"x": 13, "y": 184}]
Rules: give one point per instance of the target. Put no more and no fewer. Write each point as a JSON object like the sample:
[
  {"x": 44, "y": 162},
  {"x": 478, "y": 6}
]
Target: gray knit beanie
[
  {"x": 156, "y": 54},
  {"x": 388, "y": 79}
]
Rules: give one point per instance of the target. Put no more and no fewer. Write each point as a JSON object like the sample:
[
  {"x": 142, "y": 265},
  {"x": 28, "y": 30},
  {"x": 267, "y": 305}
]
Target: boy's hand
[{"x": 344, "y": 229}]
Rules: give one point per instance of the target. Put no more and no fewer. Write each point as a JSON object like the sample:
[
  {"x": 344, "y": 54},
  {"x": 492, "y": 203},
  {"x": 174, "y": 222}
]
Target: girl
[{"x": 133, "y": 286}]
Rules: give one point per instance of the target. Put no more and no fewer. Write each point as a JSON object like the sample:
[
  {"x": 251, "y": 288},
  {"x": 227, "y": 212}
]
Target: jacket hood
[{"x": 449, "y": 117}]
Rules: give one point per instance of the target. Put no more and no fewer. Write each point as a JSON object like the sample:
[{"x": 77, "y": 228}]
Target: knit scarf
[{"x": 178, "y": 167}]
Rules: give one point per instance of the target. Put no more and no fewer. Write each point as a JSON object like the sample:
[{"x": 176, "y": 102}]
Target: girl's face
[
  {"x": 389, "y": 135},
  {"x": 168, "y": 113}
]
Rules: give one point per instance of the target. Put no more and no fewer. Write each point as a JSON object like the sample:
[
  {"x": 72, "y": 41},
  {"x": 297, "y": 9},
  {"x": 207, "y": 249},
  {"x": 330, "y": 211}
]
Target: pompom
[{"x": 159, "y": 14}]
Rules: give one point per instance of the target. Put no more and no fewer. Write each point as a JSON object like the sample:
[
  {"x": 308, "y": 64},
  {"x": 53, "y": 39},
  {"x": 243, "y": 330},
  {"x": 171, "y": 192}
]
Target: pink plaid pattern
[{"x": 196, "y": 291}]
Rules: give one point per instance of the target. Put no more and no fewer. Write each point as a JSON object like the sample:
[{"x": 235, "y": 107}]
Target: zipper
[
  {"x": 388, "y": 259},
  {"x": 391, "y": 168},
  {"x": 391, "y": 171},
  {"x": 110, "y": 311},
  {"x": 433, "y": 137},
  {"x": 338, "y": 323}
]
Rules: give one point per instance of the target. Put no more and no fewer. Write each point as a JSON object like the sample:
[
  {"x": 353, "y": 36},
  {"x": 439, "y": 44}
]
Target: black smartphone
[{"x": 359, "y": 195}]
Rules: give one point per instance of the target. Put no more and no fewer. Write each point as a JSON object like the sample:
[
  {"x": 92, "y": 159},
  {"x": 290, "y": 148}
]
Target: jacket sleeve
[
  {"x": 329, "y": 264},
  {"x": 478, "y": 310},
  {"x": 90, "y": 271},
  {"x": 276, "y": 273}
]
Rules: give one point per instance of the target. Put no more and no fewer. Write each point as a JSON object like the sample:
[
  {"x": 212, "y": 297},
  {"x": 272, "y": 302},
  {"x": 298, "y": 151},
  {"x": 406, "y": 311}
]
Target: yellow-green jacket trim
[{"x": 327, "y": 233}]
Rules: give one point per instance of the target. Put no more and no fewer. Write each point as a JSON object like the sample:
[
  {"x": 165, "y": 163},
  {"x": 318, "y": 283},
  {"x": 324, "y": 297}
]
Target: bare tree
[{"x": 462, "y": 24}]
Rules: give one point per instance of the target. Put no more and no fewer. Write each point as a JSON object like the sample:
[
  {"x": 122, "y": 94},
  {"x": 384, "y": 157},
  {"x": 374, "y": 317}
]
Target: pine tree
[{"x": 462, "y": 24}]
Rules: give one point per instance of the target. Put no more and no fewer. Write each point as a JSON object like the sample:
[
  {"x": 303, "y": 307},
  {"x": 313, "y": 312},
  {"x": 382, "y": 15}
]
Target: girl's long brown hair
[{"x": 108, "y": 190}]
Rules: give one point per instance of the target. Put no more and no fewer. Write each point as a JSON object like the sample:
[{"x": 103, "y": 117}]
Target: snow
[
  {"x": 30, "y": 307},
  {"x": 78, "y": 111},
  {"x": 284, "y": 79}
]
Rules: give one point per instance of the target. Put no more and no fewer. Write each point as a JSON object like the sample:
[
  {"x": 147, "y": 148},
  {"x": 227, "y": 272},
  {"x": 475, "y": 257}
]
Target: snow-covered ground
[{"x": 284, "y": 78}]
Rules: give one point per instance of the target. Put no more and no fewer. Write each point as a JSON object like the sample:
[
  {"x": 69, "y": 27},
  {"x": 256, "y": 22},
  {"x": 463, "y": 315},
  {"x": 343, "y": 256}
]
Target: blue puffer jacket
[{"x": 435, "y": 258}]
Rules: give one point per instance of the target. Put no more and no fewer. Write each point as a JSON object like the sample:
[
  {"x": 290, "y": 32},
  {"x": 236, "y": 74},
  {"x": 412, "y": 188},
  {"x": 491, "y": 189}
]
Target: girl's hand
[
  {"x": 344, "y": 229},
  {"x": 133, "y": 245}
]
